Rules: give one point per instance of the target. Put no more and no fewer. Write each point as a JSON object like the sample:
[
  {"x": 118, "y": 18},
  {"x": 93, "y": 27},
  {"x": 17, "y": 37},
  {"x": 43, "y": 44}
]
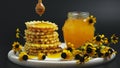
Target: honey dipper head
[{"x": 40, "y": 8}]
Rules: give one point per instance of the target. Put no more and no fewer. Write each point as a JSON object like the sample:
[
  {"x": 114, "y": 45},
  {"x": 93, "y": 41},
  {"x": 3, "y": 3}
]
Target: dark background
[{"x": 14, "y": 14}]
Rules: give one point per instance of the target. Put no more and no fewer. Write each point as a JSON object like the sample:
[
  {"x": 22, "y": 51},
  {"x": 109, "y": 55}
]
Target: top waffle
[{"x": 39, "y": 26}]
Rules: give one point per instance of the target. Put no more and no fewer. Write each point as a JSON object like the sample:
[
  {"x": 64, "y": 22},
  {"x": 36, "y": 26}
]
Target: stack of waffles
[{"x": 41, "y": 37}]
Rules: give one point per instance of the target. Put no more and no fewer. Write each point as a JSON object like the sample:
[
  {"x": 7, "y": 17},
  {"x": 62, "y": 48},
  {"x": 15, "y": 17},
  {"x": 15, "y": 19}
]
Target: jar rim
[{"x": 78, "y": 14}]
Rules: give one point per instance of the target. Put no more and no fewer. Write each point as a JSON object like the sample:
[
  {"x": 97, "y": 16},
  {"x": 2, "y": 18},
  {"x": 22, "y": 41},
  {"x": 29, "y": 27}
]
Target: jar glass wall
[{"x": 77, "y": 29}]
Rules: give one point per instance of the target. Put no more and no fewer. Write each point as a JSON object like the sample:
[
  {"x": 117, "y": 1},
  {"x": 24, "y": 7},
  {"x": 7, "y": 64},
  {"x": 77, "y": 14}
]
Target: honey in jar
[{"x": 78, "y": 28}]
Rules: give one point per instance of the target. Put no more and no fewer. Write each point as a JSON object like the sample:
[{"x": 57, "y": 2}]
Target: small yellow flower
[
  {"x": 107, "y": 52},
  {"x": 90, "y": 49},
  {"x": 70, "y": 49},
  {"x": 99, "y": 52},
  {"x": 16, "y": 47},
  {"x": 67, "y": 55},
  {"x": 76, "y": 51},
  {"x": 17, "y": 30},
  {"x": 23, "y": 56},
  {"x": 82, "y": 58},
  {"x": 114, "y": 39},
  {"x": 106, "y": 41},
  {"x": 82, "y": 48},
  {"x": 104, "y": 49},
  {"x": 91, "y": 19},
  {"x": 41, "y": 56},
  {"x": 98, "y": 39},
  {"x": 17, "y": 35},
  {"x": 88, "y": 44}
]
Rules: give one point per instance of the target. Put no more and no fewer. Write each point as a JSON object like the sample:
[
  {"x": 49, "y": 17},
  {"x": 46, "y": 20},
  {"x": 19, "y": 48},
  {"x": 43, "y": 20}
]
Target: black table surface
[{"x": 5, "y": 63}]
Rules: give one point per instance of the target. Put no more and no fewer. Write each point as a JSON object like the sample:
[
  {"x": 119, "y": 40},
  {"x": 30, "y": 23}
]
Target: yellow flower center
[
  {"x": 82, "y": 59},
  {"x": 106, "y": 54},
  {"x": 114, "y": 38},
  {"x": 90, "y": 21},
  {"x": 98, "y": 38},
  {"x": 25, "y": 57},
  {"x": 89, "y": 50},
  {"x": 77, "y": 56},
  {"x": 63, "y": 55},
  {"x": 17, "y": 46},
  {"x": 43, "y": 57},
  {"x": 70, "y": 49}
]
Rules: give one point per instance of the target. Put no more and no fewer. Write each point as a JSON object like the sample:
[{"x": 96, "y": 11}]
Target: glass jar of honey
[{"x": 78, "y": 28}]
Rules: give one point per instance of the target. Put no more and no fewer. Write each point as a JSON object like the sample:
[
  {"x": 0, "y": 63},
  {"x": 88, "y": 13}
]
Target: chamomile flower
[
  {"x": 99, "y": 53},
  {"x": 106, "y": 41},
  {"x": 108, "y": 52},
  {"x": 16, "y": 47},
  {"x": 104, "y": 50},
  {"x": 91, "y": 19},
  {"x": 114, "y": 39},
  {"x": 98, "y": 39},
  {"x": 76, "y": 51},
  {"x": 82, "y": 58},
  {"x": 23, "y": 56},
  {"x": 66, "y": 55},
  {"x": 90, "y": 49}
]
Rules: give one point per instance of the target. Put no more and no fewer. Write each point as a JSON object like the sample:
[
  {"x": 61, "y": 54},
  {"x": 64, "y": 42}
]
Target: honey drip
[{"x": 40, "y": 8}]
